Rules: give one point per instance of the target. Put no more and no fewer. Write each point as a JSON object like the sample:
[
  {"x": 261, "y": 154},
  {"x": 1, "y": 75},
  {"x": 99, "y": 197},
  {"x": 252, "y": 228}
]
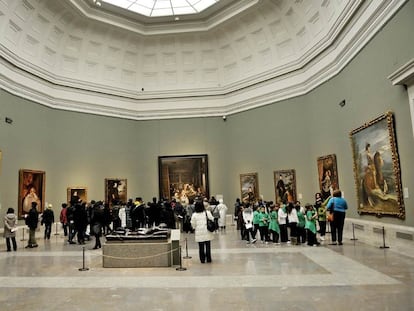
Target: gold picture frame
[
  {"x": 183, "y": 177},
  {"x": 249, "y": 187},
  {"x": 327, "y": 175},
  {"x": 285, "y": 186},
  {"x": 31, "y": 189},
  {"x": 377, "y": 168},
  {"x": 80, "y": 192},
  {"x": 115, "y": 190}
]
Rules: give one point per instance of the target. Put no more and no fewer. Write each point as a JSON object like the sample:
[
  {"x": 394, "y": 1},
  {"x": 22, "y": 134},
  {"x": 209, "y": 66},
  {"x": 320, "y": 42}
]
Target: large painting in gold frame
[
  {"x": 328, "y": 175},
  {"x": 377, "y": 168},
  {"x": 249, "y": 187},
  {"x": 115, "y": 191},
  {"x": 31, "y": 189},
  {"x": 285, "y": 186}
]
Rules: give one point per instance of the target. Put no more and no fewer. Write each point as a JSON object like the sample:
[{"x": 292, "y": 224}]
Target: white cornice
[
  {"x": 403, "y": 75},
  {"x": 290, "y": 82}
]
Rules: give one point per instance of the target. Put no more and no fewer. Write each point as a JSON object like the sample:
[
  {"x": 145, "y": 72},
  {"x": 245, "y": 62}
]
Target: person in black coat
[
  {"x": 167, "y": 215},
  {"x": 32, "y": 219},
  {"x": 80, "y": 219},
  {"x": 97, "y": 222},
  {"x": 48, "y": 218}
]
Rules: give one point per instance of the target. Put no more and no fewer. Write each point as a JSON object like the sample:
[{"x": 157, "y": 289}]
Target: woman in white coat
[
  {"x": 222, "y": 208},
  {"x": 202, "y": 235}
]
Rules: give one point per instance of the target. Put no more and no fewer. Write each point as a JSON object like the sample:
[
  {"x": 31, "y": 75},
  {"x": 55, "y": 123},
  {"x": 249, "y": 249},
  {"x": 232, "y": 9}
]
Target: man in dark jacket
[
  {"x": 48, "y": 219},
  {"x": 32, "y": 219}
]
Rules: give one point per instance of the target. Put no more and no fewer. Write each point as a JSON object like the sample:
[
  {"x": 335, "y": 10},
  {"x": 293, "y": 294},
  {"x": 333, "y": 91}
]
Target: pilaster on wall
[{"x": 405, "y": 76}]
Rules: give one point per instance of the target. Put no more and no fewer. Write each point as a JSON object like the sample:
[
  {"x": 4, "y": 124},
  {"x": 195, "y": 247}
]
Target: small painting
[{"x": 77, "y": 194}]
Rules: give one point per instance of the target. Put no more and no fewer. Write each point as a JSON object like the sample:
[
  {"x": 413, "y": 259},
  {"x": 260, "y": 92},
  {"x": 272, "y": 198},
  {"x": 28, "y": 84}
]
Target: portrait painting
[
  {"x": 327, "y": 175},
  {"x": 77, "y": 194},
  {"x": 249, "y": 187},
  {"x": 184, "y": 177},
  {"x": 31, "y": 189},
  {"x": 285, "y": 186},
  {"x": 377, "y": 168},
  {"x": 115, "y": 191}
]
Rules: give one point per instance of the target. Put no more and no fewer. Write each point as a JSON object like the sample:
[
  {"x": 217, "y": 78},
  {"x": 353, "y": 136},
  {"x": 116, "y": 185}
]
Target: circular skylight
[{"x": 155, "y": 8}]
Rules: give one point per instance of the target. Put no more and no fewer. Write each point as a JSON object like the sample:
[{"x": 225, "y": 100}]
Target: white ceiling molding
[
  {"x": 164, "y": 25},
  {"x": 318, "y": 66}
]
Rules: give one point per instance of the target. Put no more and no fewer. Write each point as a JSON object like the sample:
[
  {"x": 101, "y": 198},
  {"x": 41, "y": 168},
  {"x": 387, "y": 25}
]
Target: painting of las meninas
[{"x": 377, "y": 168}]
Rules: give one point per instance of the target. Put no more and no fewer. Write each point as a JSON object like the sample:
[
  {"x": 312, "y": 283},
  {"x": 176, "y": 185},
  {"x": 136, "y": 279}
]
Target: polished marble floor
[{"x": 259, "y": 276}]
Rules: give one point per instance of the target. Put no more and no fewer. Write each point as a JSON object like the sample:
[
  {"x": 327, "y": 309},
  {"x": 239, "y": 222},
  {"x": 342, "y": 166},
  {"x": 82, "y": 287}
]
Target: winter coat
[
  {"x": 199, "y": 224},
  {"x": 10, "y": 222},
  {"x": 32, "y": 219},
  {"x": 223, "y": 211},
  {"x": 48, "y": 217}
]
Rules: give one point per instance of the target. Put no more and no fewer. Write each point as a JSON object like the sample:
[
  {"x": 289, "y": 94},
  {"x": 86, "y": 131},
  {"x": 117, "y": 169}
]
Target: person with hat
[{"x": 48, "y": 219}]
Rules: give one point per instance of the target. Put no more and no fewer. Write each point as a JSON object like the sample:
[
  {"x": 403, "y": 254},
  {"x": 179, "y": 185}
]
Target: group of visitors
[{"x": 291, "y": 223}]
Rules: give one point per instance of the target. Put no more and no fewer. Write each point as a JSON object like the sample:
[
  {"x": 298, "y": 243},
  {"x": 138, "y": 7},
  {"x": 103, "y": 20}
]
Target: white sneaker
[
  {"x": 322, "y": 238},
  {"x": 254, "y": 241}
]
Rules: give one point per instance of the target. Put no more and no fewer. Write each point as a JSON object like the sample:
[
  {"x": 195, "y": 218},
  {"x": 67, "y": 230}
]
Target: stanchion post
[
  {"x": 353, "y": 233},
  {"x": 23, "y": 239},
  {"x": 383, "y": 239},
  {"x": 180, "y": 268},
  {"x": 56, "y": 229},
  {"x": 186, "y": 250},
  {"x": 83, "y": 261}
]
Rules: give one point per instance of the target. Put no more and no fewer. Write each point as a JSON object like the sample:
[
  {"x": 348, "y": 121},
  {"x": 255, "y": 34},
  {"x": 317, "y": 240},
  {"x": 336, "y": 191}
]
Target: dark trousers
[
  {"x": 204, "y": 250},
  {"x": 97, "y": 241},
  {"x": 254, "y": 231},
  {"x": 264, "y": 233},
  {"x": 13, "y": 239},
  {"x": 65, "y": 229},
  {"x": 311, "y": 238},
  {"x": 322, "y": 227},
  {"x": 283, "y": 233},
  {"x": 248, "y": 234},
  {"x": 293, "y": 229},
  {"x": 337, "y": 226},
  {"x": 275, "y": 236},
  {"x": 301, "y": 234},
  {"x": 48, "y": 230}
]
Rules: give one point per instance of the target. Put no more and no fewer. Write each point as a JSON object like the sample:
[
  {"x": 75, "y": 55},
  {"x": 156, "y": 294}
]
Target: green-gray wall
[{"x": 82, "y": 150}]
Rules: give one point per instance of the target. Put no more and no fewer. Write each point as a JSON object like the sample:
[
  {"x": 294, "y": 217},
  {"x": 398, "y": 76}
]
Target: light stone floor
[{"x": 354, "y": 276}]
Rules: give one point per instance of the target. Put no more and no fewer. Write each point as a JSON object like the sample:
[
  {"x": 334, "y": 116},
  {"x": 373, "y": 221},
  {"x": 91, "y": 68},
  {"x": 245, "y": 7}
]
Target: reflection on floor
[{"x": 258, "y": 276}]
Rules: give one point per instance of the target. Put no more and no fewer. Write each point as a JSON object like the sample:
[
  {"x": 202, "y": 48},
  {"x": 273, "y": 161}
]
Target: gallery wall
[{"x": 82, "y": 150}]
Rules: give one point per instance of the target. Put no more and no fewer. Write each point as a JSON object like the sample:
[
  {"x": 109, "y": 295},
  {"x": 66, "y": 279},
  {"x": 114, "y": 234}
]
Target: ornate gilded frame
[
  {"x": 183, "y": 177},
  {"x": 82, "y": 193},
  {"x": 249, "y": 183},
  {"x": 31, "y": 179},
  {"x": 377, "y": 168},
  {"x": 118, "y": 194},
  {"x": 327, "y": 174},
  {"x": 286, "y": 178}
]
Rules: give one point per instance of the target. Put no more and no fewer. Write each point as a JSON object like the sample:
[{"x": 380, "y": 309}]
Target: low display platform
[{"x": 142, "y": 253}]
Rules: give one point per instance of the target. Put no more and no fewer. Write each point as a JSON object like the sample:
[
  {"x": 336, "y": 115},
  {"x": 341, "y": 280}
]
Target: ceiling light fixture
[{"x": 97, "y": 2}]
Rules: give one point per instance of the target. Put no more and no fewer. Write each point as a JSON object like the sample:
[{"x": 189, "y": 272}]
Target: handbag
[
  {"x": 330, "y": 216},
  {"x": 211, "y": 226}
]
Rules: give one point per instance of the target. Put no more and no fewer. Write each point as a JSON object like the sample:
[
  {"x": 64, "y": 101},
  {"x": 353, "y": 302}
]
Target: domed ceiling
[{"x": 234, "y": 56}]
